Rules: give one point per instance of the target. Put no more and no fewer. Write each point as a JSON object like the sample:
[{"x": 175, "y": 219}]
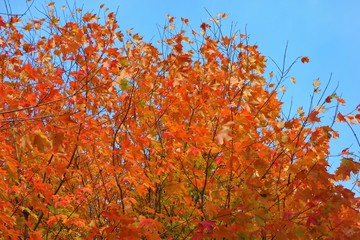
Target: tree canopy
[{"x": 107, "y": 136}]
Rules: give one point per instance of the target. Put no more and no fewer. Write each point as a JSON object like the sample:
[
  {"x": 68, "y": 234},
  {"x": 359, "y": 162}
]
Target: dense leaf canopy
[{"x": 106, "y": 136}]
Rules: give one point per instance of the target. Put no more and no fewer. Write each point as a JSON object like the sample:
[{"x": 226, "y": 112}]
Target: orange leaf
[
  {"x": 341, "y": 101},
  {"x": 346, "y": 168},
  {"x": 313, "y": 117},
  {"x": 168, "y": 135},
  {"x": 305, "y": 60},
  {"x": 345, "y": 152}
]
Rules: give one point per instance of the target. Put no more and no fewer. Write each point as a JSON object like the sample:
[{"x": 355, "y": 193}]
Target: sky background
[{"x": 328, "y": 32}]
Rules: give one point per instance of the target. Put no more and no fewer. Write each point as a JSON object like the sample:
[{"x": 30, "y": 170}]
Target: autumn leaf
[
  {"x": 194, "y": 151},
  {"x": 51, "y": 4},
  {"x": 168, "y": 135},
  {"x": 35, "y": 235},
  {"x": 313, "y": 117},
  {"x": 28, "y": 27},
  {"x": 206, "y": 227},
  {"x": 124, "y": 84},
  {"x": 223, "y": 134},
  {"x": 345, "y": 152},
  {"x": 316, "y": 83},
  {"x": 340, "y": 118},
  {"x": 341, "y": 101},
  {"x": 347, "y": 166},
  {"x": 305, "y": 60},
  {"x": 39, "y": 140},
  {"x": 185, "y": 21}
]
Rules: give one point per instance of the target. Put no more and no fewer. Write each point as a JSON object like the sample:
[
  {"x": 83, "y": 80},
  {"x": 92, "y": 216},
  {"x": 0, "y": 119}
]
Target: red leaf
[
  {"x": 345, "y": 152},
  {"x": 168, "y": 135},
  {"x": 340, "y": 118},
  {"x": 204, "y": 26},
  {"x": 194, "y": 151},
  {"x": 312, "y": 219},
  {"x": 206, "y": 227}
]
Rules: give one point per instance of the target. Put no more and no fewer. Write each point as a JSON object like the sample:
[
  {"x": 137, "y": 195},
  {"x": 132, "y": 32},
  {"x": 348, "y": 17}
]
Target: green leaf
[
  {"x": 299, "y": 232},
  {"x": 124, "y": 84},
  {"x": 259, "y": 220},
  {"x": 31, "y": 213},
  {"x": 124, "y": 62}
]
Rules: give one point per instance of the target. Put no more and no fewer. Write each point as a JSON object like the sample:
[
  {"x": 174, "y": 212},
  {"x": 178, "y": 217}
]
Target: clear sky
[{"x": 328, "y": 32}]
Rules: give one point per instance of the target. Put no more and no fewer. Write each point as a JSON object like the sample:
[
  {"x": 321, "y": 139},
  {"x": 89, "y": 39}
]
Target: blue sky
[{"x": 326, "y": 31}]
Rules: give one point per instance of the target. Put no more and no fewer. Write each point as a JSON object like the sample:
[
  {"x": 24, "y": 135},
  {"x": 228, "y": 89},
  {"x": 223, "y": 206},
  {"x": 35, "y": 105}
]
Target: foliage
[{"x": 104, "y": 136}]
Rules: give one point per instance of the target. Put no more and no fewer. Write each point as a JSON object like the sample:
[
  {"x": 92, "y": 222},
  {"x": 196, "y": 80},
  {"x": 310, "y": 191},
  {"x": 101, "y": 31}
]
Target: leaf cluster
[{"x": 106, "y": 136}]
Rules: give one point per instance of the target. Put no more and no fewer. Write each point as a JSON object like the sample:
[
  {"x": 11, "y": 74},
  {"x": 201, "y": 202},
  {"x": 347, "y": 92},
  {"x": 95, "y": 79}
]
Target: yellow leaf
[
  {"x": 128, "y": 44},
  {"x": 300, "y": 111},
  {"x": 215, "y": 20},
  {"x": 58, "y": 141},
  {"x": 129, "y": 31},
  {"x": 137, "y": 38},
  {"x": 316, "y": 83},
  {"x": 280, "y": 124},
  {"x": 41, "y": 141},
  {"x": 28, "y": 27},
  {"x": 293, "y": 80}
]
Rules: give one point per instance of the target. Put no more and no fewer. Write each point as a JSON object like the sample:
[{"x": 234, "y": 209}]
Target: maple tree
[{"x": 104, "y": 136}]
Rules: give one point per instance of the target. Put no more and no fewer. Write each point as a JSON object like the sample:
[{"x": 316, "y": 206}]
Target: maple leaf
[
  {"x": 51, "y": 4},
  {"x": 305, "y": 60},
  {"x": 35, "y": 235},
  {"x": 316, "y": 83},
  {"x": 345, "y": 152},
  {"x": 168, "y": 135},
  {"x": 194, "y": 151},
  {"x": 206, "y": 227},
  {"x": 341, "y": 101},
  {"x": 347, "y": 166},
  {"x": 224, "y": 133},
  {"x": 340, "y": 118},
  {"x": 185, "y": 21},
  {"x": 204, "y": 26},
  {"x": 313, "y": 117}
]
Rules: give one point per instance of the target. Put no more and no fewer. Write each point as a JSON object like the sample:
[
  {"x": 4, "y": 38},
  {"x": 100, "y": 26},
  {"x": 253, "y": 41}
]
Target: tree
[{"x": 107, "y": 137}]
